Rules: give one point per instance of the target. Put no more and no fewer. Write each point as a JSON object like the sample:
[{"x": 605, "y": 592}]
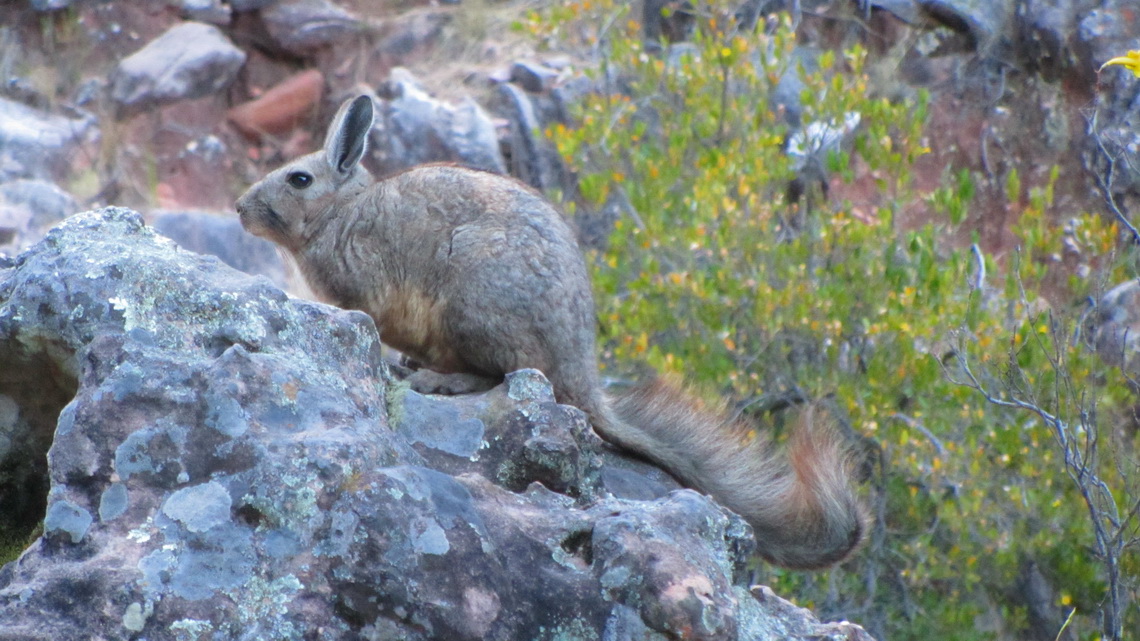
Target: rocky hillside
[{"x": 177, "y": 107}]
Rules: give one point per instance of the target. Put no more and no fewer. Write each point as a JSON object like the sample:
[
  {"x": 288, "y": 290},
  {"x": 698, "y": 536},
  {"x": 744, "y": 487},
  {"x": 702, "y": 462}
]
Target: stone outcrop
[
  {"x": 27, "y": 209},
  {"x": 214, "y": 460},
  {"x": 222, "y": 236},
  {"x": 190, "y": 60},
  {"x": 301, "y": 27},
  {"x": 39, "y": 144},
  {"x": 413, "y": 127}
]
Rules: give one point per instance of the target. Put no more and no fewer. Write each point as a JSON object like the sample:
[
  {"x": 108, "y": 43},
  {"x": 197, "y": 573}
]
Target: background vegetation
[{"x": 998, "y": 451}]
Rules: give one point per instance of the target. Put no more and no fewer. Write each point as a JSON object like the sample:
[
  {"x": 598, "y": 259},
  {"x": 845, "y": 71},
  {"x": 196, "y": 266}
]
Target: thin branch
[
  {"x": 1105, "y": 180},
  {"x": 979, "y": 281},
  {"x": 1080, "y": 455},
  {"x": 917, "y": 425}
]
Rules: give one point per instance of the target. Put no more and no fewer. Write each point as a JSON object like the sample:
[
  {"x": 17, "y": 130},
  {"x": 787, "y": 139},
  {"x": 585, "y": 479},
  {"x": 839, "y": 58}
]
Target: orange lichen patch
[{"x": 291, "y": 388}]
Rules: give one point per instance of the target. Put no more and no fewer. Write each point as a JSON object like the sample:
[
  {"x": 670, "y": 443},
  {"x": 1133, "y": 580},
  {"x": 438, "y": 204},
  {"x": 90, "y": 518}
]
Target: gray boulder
[
  {"x": 532, "y": 76},
  {"x": 533, "y": 158},
  {"x": 212, "y": 11},
  {"x": 529, "y": 104},
  {"x": 211, "y": 459},
  {"x": 906, "y": 10},
  {"x": 249, "y": 5},
  {"x": 413, "y": 128},
  {"x": 301, "y": 27},
  {"x": 1113, "y": 326},
  {"x": 39, "y": 144},
  {"x": 189, "y": 60},
  {"x": 1047, "y": 45},
  {"x": 983, "y": 21},
  {"x": 221, "y": 236},
  {"x": 50, "y": 5},
  {"x": 27, "y": 209},
  {"x": 1105, "y": 32},
  {"x": 403, "y": 38}
]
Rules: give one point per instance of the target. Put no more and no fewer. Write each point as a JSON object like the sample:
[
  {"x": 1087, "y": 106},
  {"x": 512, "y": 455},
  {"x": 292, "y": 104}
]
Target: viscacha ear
[{"x": 348, "y": 134}]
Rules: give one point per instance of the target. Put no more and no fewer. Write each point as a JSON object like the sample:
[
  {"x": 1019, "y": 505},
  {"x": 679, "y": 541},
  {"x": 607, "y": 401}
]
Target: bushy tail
[{"x": 799, "y": 501}]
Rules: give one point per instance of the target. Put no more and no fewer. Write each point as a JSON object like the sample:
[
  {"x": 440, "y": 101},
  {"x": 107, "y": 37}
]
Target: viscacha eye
[{"x": 299, "y": 179}]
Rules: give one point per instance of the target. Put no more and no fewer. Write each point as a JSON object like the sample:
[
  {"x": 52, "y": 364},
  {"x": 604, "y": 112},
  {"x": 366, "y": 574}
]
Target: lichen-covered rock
[
  {"x": 189, "y": 60},
  {"x": 214, "y": 460}
]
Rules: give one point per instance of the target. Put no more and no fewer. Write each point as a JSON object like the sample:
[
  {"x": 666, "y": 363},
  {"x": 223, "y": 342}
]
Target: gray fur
[{"x": 477, "y": 274}]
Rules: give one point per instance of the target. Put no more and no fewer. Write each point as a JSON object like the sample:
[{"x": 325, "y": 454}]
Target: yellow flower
[{"x": 1130, "y": 61}]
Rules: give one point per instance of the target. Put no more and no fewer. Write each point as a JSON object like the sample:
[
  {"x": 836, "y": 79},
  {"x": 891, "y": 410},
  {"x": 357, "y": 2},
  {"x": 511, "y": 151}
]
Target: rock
[
  {"x": 787, "y": 96},
  {"x": 282, "y": 108},
  {"x": 1114, "y": 326},
  {"x": 190, "y": 60},
  {"x": 89, "y": 92},
  {"x": 983, "y": 21},
  {"x": 50, "y": 5},
  {"x": 38, "y": 144},
  {"x": 1108, "y": 29},
  {"x": 413, "y": 128},
  {"x": 27, "y": 209},
  {"x": 196, "y": 176},
  {"x": 514, "y": 435},
  {"x": 1106, "y": 32},
  {"x": 535, "y": 78},
  {"x": 533, "y": 158},
  {"x": 906, "y": 10},
  {"x": 229, "y": 463},
  {"x": 1045, "y": 30},
  {"x": 212, "y": 11},
  {"x": 567, "y": 95},
  {"x": 222, "y": 236},
  {"x": 23, "y": 91},
  {"x": 668, "y": 20},
  {"x": 1039, "y": 596},
  {"x": 301, "y": 27},
  {"x": 812, "y": 144},
  {"x": 406, "y": 36},
  {"x": 784, "y": 620},
  {"x": 250, "y": 5}
]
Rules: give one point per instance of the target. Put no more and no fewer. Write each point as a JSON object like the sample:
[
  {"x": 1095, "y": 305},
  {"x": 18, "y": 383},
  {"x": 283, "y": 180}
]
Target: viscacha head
[{"x": 290, "y": 204}]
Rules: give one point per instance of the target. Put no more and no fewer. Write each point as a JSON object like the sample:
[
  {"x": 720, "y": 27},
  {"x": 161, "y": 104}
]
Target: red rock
[{"x": 282, "y": 108}]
